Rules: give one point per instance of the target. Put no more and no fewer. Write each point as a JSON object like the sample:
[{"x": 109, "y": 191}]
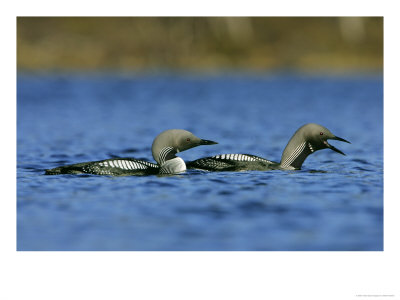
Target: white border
[{"x": 197, "y": 275}]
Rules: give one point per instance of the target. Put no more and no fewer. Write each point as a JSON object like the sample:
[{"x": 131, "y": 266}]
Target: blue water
[{"x": 334, "y": 203}]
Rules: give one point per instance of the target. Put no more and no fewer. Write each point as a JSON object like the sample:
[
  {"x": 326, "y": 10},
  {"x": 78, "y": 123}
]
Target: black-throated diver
[
  {"x": 305, "y": 141},
  {"x": 164, "y": 148}
]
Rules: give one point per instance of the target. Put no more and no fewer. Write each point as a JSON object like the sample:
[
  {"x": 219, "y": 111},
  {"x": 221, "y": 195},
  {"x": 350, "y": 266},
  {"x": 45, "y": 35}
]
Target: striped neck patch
[
  {"x": 290, "y": 159},
  {"x": 164, "y": 154}
]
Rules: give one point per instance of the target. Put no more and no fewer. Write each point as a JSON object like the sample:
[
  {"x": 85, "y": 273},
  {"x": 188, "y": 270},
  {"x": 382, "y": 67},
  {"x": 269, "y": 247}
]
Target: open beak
[
  {"x": 334, "y": 148},
  {"x": 207, "y": 142}
]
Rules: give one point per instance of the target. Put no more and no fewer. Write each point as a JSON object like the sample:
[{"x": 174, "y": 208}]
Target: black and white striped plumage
[
  {"x": 231, "y": 162},
  {"x": 113, "y": 166}
]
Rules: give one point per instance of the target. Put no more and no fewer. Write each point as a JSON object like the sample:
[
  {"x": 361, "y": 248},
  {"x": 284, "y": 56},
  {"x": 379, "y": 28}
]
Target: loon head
[
  {"x": 172, "y": 141},
  {"x": 318, "y": 137},
  {"x": 305, "y": 141}
]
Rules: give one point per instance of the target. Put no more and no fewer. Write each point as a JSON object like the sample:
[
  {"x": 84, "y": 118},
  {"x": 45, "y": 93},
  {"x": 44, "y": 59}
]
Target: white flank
[{"x": 173, "y": 166}]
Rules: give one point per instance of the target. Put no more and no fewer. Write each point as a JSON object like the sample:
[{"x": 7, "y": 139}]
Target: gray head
[
  {"x": 306, "y": 140},
  {"x": 172, "y": 141}
]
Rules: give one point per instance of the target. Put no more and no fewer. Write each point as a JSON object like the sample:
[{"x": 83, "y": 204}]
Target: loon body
[
  {"x": 164, "y": 148},
  {"x": 305, "y": 141}
]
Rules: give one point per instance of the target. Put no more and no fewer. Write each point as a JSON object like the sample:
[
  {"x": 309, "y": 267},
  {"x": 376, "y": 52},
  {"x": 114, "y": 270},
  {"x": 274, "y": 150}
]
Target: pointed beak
[
  {"x": 340, "y": 139},
  {"x": 334, "y": 148},
  {"x": 207, "y": 142}
]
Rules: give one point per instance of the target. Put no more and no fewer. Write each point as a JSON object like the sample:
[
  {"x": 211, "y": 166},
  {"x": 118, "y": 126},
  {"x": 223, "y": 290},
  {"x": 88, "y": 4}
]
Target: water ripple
[{"x": 334, "y": 203}]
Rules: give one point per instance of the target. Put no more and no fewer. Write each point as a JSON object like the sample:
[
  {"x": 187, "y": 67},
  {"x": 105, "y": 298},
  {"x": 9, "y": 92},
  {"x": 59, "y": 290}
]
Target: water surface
[{"x": 334, "y": 203}]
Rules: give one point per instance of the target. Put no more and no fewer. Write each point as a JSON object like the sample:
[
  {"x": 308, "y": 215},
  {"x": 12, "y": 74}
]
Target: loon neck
[
  {"x": 173, "y": 166},
  {"x": 295, "y": 153},
  {"x": 166, "y": 153}
]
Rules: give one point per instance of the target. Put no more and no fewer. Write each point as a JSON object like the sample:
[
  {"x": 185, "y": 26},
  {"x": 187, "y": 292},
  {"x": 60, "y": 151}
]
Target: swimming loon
[
  {"x": 305, "y": 141},
  {"x": 164, "y": 148}
]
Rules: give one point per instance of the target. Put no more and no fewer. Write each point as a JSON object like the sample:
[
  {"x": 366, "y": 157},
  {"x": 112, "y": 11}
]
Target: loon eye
[
  {"x": 321, "y": 133},
  {"x": 188, "y": 139}
]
